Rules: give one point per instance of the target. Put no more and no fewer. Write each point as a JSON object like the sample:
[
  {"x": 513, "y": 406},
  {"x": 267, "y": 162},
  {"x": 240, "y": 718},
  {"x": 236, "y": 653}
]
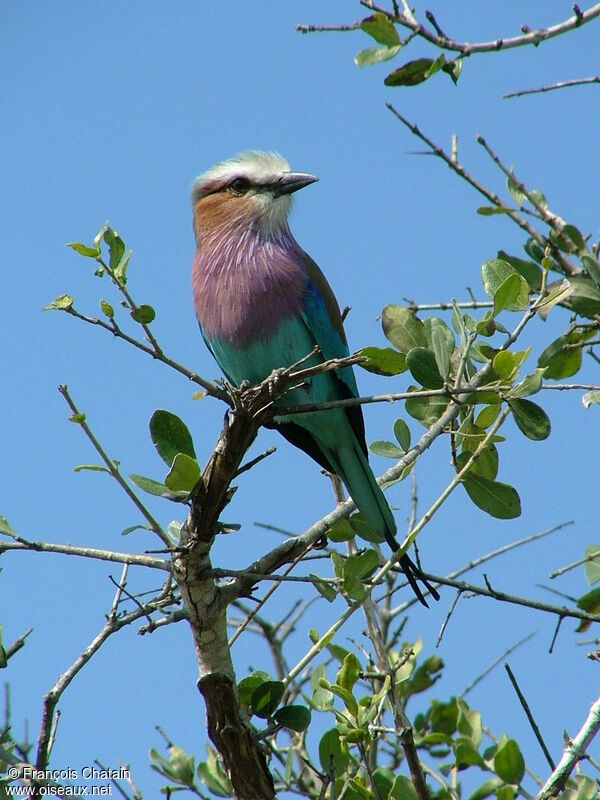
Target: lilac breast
[{"x": 243, "y": 289}]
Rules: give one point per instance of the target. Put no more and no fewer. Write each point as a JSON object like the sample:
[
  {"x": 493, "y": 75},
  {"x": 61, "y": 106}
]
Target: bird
[{"x": 263, "y": 304}]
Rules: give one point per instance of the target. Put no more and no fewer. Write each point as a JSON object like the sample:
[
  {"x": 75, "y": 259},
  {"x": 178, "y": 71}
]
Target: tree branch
[
  {"x": 575, "y": 750},
  {"x": 552, "y": 86}
]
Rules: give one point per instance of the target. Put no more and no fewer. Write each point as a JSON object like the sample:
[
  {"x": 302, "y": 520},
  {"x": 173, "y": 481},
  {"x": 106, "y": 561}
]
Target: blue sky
[{"x": 108, "y": 112}]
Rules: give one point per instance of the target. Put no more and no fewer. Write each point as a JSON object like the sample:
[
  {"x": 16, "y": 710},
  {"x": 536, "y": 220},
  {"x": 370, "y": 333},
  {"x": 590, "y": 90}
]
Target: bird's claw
[{"x": 274, "y": 380}]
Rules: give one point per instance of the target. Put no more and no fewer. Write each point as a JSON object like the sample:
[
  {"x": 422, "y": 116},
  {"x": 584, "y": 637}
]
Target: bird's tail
[{"x": 353, "y": 468}]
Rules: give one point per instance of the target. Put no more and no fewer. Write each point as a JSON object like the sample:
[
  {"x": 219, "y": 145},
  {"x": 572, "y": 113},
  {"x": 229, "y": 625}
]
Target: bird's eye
[{"x": 240, "y": 185}]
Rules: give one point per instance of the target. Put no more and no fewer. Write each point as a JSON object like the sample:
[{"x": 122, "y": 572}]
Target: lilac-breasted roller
[{"x": 262, "y": 303}]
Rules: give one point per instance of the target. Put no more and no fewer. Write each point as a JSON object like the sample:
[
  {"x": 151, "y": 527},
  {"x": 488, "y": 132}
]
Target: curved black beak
[{"x": 292, "y": 181}]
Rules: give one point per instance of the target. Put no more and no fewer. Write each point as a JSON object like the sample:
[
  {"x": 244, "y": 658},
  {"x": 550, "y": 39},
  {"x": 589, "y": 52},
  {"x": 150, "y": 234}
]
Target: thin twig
[
  {"x": 453, "y": 605},
  {"x": 112, "y": 625},
  {"x": 119, "y": 333},
  {"x": 494, "y": 664},
  {"x": 16, "y": 646},
  {"x": 529, "y": 715},
  {"x": 550, "y": 87},
  {"x": 113, "y": 468},
  {"x": 489, "y": 591},
  {"x": 491, "y": 196},
  {"x": 528, "y": 37},
  {"x": 115, "y": 556},
  {"x": 595, "y": 556}
]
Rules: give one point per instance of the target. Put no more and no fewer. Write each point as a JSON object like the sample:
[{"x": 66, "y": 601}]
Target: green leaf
[
  {"x": 531, "y": 384},
  {"x": 132, "y": 528},
  {"x": 488, "y": 211},
  {"x": 116, "y": 247},
  {"x": 143, "y": 314},
  {"x": 423, "y": 367},
  {"x": 6, "y": 527},
  {"x": 374, "y": 55},
  {"x": 453, "y": 68},
  {"x": 493, "y": 274},
  {"x": 77, "y": 418},
  {"x": 213, "y": 776},
  {"x": 517, "y": 194},
  {"x": 340, "y": 531},
  {"x": 574, "y": 234},
  {"x": 356, "y": 568},
  {"x": 383, "y": 360},
  {"x": 325, "y": 589},
  {"x": 91, "y": 468},
  {"x": 349, "y": 672},
  {"x": 121, "y": 271},
  {"x": 497, "y": 499},
  {"x": 248, "y": 685},
  {"x": 487, "y": 416},
  {"x": 466, "y": 754},
  {"x": 531, "y": 420},
  {"x": 426, "y": 410},
  {"x": 184, "y": 474},
  {"x": 403, "y": 789},
  {"x": 486, "y": 464},
  {"x": 107, "y": 309},
  {"x": 592, "y": 567},
  {"x": 402, "y": 433},
  {"x": 266, "y": 698},
  {"x": 364, "y": 530},
  {"x": 296, "y": 718},
  {"x": 182, "y": 765},
  {"x": 382, "y": 447},
  {"x": 486, "y": 789},
  {"x": 441, "y": 341},
  {"x": 361, "y": 566},
  {"x": 590, "y": 398},
  {"x": 415, "y": 72},
  {"x": 559, "y": 360},
  {"x": 469, "y": 723},
  {"x": 380, "y": 27},
  {"x": 508, "y": 762},
  {"x": 60, "y": 303},
  {"x": 512, "y": 294},
  {"x": 587, "y": 788},
  {"x": 505, "y": 364},
  {"x": 592, "y": 267},
  {"x": 534, "y": 250},
  {"x": 584, "y": 296},
  {"x": 170, "y": 436},
  {"x": 158, "y": 489},
  {"x": 332, "y": 748},
  {"x": 84, "y": 250},
  {"x": 402, "y": 328},
  {"x": 443, "y": 716},
  {"x": 589, "y": 602},
  {"x": 423, "y": 677},
  {"x": 527, "y": 269}
]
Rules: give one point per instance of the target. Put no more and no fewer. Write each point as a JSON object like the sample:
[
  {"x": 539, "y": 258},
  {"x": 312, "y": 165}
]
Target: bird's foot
[{"x": 274, "y": 380}]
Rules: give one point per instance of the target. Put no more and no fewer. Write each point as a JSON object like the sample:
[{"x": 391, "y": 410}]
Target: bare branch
[
  {"x": 528, "y": 37},
  {"x": 561, "y": 611},
  {"x": 529, "y": 715},
  {"x": 157, "y": 355},
  {"x": 113, "y": 624},
  {"x": 112, "y": 467},
  {"x": 494, "y": 664},
  {"x": 550, "y": 87},
  {"x": 139, "y": 560}
]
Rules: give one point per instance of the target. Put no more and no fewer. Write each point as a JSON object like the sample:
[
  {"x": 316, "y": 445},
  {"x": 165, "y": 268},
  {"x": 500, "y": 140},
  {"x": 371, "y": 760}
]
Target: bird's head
[{"x": 251, "y": 191}]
